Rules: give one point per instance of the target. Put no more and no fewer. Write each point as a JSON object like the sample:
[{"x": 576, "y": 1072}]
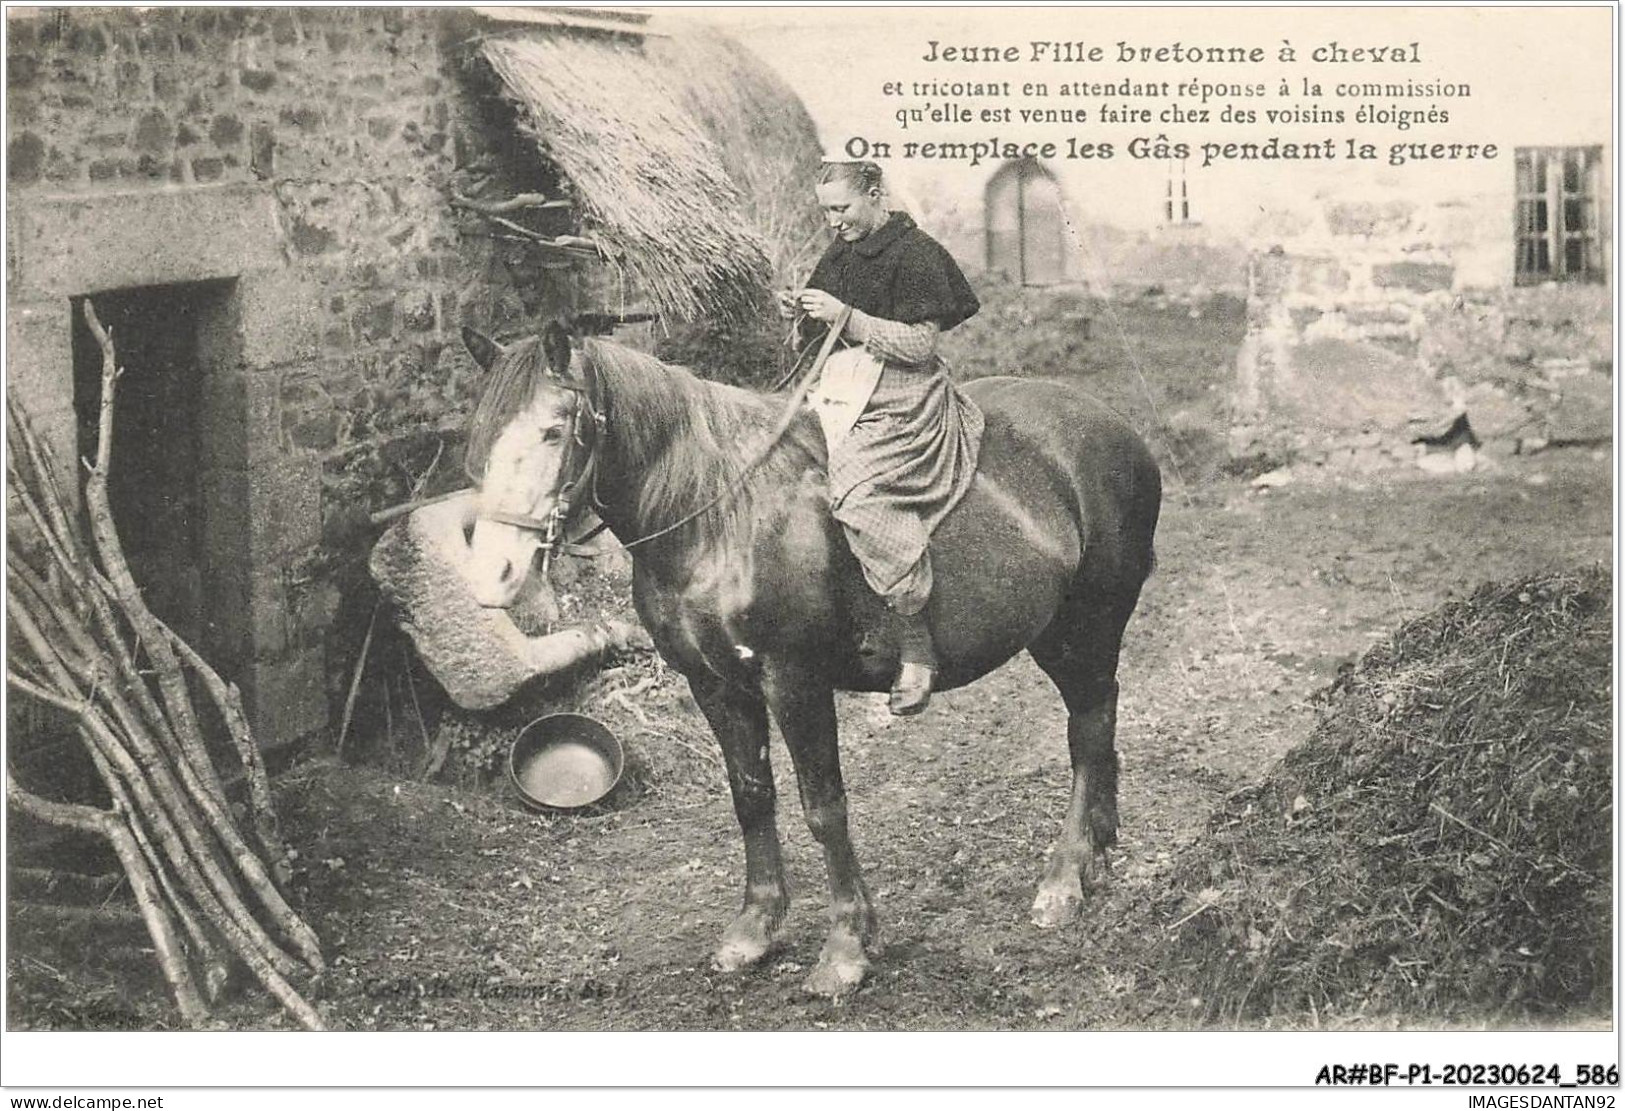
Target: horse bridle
[
  {"x": 558, "y": 518},
  {"x": 565, "y": 505}
]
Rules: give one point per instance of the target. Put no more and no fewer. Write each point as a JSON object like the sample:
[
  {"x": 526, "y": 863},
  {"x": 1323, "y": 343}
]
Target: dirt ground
[{"x": 451, "y": 907}]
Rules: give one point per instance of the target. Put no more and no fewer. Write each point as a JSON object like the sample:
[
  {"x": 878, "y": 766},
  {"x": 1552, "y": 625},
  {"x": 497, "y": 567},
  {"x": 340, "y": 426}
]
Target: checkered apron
[{"x": 905, "y": 463}]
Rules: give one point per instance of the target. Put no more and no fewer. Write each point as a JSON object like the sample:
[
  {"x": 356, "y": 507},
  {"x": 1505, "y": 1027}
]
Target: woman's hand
[
  {"x": 787, "y": 303},
  {"x": 820, "y": 305}
]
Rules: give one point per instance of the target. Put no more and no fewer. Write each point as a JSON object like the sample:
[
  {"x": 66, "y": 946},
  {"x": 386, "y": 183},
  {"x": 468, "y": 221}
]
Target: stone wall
[
  {"x": 1358, "y": 358},
  {"x": 304, "y": 158}
]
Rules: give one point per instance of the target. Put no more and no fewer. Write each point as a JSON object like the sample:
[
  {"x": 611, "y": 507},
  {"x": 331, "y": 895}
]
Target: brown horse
[{"x": 756, "y": 599}]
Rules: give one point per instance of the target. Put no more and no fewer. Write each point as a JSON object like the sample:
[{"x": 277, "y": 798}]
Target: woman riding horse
[
  {"x": 749, "y": 588},
  {"x": 903, "y": 440}
]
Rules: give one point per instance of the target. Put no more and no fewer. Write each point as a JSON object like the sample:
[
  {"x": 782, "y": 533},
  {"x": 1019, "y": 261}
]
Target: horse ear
[
  {"x": 556, "y": 346},
  {"x": 589, "y": 376},
  {"x": 484, "y": 349}
]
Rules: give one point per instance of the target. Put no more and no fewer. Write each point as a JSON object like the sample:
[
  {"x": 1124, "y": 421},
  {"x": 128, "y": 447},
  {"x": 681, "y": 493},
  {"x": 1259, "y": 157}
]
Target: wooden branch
[
  {"x": 35, "y": 514},
  {"x": 513, "y": 204},
  {"x": 159, "y": 926},
  {"x": 216, "y": 970},
  {"x": 576, "y": 244},
  {"x": 229, "y": 701},
  {"x": 264, "y": 960},
  {"x": 129, "y": 676},
  {"x": 559, "y": 260},
  {"x": 384, "y": 516},
  {"x": 112, "y": 633},
  {"x": 417, "y": 708},
  {"x": 267, "y": 962},
  {"x": 355, "y": 680},
  {"x": 248, "y": 865},
  {"x": 76, "y": 569},
  {"x": 46, "y": 474},
  {"x": 171, "y": 794},
  {"x": 76, "y": 635},
  {"x": 63, "y": 622},
  {"x": 160, "y": 804},
  {"x": 171, "y": 683}
]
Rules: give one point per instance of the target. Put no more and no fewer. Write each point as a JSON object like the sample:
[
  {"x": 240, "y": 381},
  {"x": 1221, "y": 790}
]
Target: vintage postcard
[{"x": 948, "y": 520}]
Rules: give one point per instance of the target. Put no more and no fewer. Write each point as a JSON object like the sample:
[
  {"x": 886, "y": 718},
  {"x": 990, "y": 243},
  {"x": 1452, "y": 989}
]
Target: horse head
[{"x": 530, "y": 452}]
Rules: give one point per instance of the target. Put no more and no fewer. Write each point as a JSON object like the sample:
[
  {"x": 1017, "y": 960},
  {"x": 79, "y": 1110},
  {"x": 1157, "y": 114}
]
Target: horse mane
[
  {"x": 678, "y": 441},
  {"x": 687, "y": 441}
]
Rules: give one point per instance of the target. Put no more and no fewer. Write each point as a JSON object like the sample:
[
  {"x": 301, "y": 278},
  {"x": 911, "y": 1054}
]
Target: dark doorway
[
  {"x": 1026, "y": 226},
  {"x": 164, "y": 443}
]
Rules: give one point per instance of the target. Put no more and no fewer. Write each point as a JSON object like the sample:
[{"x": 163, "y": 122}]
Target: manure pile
[{"x": 1440, "y": 846}]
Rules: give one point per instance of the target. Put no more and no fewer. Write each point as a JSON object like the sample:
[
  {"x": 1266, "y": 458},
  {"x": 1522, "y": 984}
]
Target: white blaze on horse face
[{"x": 521, "y": 480}]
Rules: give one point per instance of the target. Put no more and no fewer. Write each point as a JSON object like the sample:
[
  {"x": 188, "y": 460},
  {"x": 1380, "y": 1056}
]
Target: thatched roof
[
  {"x": 651, "y": 185},
  {"x": 769, "y": 143}
]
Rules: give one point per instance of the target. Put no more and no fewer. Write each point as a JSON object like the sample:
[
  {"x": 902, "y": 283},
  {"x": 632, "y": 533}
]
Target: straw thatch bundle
[
  {"x": 652, "y": 187},
  {"x": 768, "y": 143},
  {"x": 1440, "y": 847}
]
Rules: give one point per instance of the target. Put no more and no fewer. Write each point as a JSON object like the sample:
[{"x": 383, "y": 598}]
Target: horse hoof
[
  {"x": 1056, "y": 908},
  {"x": 834, "y": 978},
  {"x": 745, "y": 942},
  {"x": 841, "y": 966},
  {"x": 738, "y": 954}
]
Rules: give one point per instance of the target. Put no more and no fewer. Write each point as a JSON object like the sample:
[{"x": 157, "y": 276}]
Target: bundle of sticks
[{"x": 83, "y": 640}]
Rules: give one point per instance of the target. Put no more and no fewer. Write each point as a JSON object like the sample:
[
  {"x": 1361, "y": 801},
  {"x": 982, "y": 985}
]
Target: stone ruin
[{"x": 1362, "y": 361}]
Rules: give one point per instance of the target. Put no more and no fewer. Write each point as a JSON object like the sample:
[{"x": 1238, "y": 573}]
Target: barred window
[{"x": 1558, "y": 226}]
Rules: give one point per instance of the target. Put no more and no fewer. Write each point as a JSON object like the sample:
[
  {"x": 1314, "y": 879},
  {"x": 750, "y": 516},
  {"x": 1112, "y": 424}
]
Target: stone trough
[{"x": 480, "y": 656}]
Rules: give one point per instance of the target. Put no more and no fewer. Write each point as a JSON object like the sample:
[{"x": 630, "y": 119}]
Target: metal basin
[{"x": 564, "y": 762}]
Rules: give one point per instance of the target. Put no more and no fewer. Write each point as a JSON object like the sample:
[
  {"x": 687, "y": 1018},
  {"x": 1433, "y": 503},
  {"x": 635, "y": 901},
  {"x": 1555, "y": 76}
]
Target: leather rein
[{"x": 553, "y": 525}]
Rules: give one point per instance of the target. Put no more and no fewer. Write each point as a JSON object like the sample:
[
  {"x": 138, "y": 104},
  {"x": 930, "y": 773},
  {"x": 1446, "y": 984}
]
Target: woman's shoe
[
  {"x": 911, "y": 693},
  {"x": 917, "y": 665}
]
